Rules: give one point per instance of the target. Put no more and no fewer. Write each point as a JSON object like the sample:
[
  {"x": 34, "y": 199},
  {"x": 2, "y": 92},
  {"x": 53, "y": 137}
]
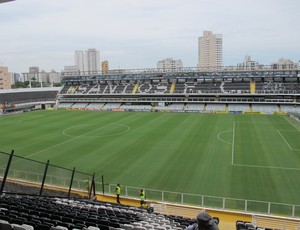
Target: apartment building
[
  {"x": 5, "y": 78},
  {"x": 210, "y": 51}
]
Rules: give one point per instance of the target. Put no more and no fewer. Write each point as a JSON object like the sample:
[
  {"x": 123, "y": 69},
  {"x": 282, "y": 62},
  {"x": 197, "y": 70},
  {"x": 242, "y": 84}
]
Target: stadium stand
[
  {"x": 238, "y": 107},
  {"x": 194, "y": 107},
  {"x": 254, "y": 91},
  {"x": 93, "y": 106},
  {"x": 216, "y": 107},
  {"x": 46, "y": 213},
  {"x": 20, "y": 100},
  {"x": 79, "y": 105},
  {"x": 65, "y": 105}
]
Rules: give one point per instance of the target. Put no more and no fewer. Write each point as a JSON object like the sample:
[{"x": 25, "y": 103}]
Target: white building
[
  {"x": 79, "y": 60},
  {"x": 92, "y": 61},
  {"x": 71, "y": 69},
  {"x": 283, "y": 63},
  {"x": 54, "y": 77},
  {"x": 169, "y": 65},
  {"x": 248, "y": 64},
  {"x": 43, "y": 77},
  {"x": 210, "y": 51}
]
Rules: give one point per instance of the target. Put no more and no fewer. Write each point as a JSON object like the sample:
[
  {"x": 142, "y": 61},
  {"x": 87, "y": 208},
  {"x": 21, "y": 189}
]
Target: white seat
[
  {"x": 58, "y": 228},
  {"x": 93, "y": 228},
  {"x": 127, "y": 226},
  {"x": 28, "y": 227},
  {"x": 18, "y": 227}
]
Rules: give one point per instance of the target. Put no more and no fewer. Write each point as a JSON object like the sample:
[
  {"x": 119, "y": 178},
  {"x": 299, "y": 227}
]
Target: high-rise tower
[
  {"x": 79, "y": 60},
  {"x": 210, "y": 51},
  {"x": 92, "y": 60}
]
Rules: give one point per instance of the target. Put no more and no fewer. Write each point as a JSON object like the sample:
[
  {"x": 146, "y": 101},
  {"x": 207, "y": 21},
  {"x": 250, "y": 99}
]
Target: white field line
[
  {"x": 260, "y": 122},
  {"x": 291, "y": 123},
  {"x": 111, "y": 135},
  {"x": 232, "y": 149},
  {"x": 285, "y": 140},
  {"x": 33, "y": 154},
  {"x": 267, "y": 167},
  {"x": 263, "y": 166},
  {"x": 220, "y": 139}
]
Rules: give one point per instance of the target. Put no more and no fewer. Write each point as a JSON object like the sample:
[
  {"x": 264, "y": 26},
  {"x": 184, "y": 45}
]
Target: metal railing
[
  {"x": 221, "y": 203},
  {"x": 212, "y": 69},
  {"x": 25, "y": 170},
  {"x": 18, "y": 170},
  {"x": 275, "y": 223}
]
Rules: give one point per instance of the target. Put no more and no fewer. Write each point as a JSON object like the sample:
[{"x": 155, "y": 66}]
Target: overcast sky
[{"x": 138, "y": 33}]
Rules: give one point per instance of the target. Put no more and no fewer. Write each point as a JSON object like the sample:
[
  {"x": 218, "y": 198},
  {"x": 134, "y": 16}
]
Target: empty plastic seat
[
  {"x": 18, "y": 227},
  {"x": 58, "y": 228},
  {"x": 93, "y": 228},
  {"x": 140, "y": 228},
  {"x": 127, "y": 226},
  {"x": 27, "y": 227}
]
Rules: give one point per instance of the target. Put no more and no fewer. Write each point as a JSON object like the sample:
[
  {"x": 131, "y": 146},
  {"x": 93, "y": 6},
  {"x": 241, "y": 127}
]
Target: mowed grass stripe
[{"x": 166, "y": 151}]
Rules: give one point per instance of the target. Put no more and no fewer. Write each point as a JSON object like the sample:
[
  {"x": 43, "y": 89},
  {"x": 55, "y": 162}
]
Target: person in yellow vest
[
  {"x": 143, "y": 197},
  {"x": 118, "y": 192}
]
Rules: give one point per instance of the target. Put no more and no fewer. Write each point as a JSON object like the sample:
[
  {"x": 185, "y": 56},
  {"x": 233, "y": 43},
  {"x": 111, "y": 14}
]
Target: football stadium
[{"x": 222, "y": 141}]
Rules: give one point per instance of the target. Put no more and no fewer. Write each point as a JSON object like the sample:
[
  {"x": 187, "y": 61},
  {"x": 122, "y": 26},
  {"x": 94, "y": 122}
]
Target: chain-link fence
[{"x": 25, "y": 176}]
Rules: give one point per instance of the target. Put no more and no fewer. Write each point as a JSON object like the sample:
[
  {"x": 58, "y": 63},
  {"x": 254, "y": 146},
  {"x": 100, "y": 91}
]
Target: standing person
[
  {"x": 118, "y": 191},
  {"x": 142, "y": 196}
]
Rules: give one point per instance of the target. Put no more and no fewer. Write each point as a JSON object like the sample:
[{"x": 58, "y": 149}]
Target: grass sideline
[{"x": 254, "y": 157}]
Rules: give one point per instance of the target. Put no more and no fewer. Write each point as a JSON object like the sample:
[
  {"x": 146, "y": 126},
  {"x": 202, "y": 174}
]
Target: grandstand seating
[
  {"x": 136, "y": 107},
  {"x": 112, "y": 105},
  {"x": 43, "y": 213},
  {"x": 264, "y": 108},
  {"x": 18, "y": 212},
  {"x": 216, "y": 107},
  {"x": 238, "y": 107},
  {"x": 244, "y": 225},
  {"x": 92, "y": 106},
  {"x": 194, "y": 107},
  {"x": 181, "y": 87},
  {"x": 22, "y": 97},
  {"x": 65, "y": 105},
  {"x": 213, "y": 94},
  {"x": 290, "y": 109},
  {"x": 79, "y": 105}
]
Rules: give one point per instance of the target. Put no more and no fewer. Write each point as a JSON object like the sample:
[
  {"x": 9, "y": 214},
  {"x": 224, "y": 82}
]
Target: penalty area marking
[
  {"x": 267, "y": 167},
  {"x": 284, "y": 140},
  {"x": 291, "y": 123},
  {"x": 258, "y": 166}
]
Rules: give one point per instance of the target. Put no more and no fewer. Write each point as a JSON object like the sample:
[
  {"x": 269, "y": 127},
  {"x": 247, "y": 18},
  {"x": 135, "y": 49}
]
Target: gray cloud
[{"x": 138, "y": 33}]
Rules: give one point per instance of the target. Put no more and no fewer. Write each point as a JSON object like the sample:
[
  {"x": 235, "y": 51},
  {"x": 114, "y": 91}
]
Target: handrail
[
  {"x": 275, "y": 223},
  {"x": 207, "y": 201}
]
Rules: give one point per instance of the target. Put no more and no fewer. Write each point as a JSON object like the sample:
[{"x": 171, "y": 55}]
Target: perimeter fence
[
  {"x": 21, "y": 175},
  {"x": 213, "y": 202},
  {"x": 26, "y": 176}
]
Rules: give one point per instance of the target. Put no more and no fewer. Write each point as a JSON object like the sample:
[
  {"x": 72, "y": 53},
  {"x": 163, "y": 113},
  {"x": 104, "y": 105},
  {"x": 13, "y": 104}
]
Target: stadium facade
[{"x": 259, "y": 89}]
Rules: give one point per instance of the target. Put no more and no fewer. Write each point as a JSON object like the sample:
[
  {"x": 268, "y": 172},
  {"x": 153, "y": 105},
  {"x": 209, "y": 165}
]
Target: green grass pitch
[{"x": 254, "y": 157}]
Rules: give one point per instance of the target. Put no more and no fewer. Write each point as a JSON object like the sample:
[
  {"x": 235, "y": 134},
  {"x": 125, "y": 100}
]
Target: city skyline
[{"x": 138, "y": 33}]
